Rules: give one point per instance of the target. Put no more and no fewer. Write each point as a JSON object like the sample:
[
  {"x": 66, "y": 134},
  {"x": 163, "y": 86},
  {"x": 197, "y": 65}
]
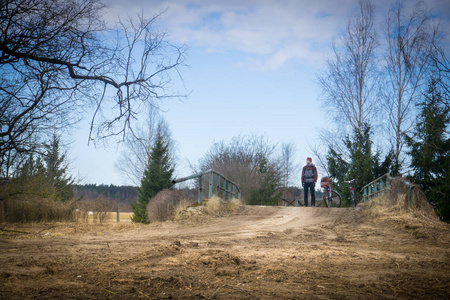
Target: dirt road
[{"x": 255, "y": 253}]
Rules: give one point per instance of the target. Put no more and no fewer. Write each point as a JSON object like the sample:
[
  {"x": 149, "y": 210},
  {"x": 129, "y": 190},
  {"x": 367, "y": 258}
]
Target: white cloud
[{"x": 273, "y": 32}]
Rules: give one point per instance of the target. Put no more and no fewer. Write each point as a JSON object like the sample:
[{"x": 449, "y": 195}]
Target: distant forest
[{"x": 125, "y": 195}]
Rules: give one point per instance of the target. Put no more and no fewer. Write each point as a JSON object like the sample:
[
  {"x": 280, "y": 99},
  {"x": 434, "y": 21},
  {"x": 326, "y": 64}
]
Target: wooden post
[
  {"x": 3, "y": 214},
  {"x": 118, "y": 212}
]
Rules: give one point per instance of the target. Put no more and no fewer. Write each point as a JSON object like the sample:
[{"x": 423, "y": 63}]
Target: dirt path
[{"x": 257, "y": 253}]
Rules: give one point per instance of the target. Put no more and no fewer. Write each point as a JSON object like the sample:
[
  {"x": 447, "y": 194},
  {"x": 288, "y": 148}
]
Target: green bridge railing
[
  {"x": 382, "y": 185},
  {"x": 376, "y": 188},
  {"x": 229, "y": 188}
]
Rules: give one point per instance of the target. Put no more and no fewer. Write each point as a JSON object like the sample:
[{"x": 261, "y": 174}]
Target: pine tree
[
  {"x": 30, "y": 182},
  {"x": 429, "y": 149},
  {"x": 157, "y": 176},
  {"x": 56, "y": 171},
  {"x": 267, "y": 192},
  {"x": 361, "y": 163}
]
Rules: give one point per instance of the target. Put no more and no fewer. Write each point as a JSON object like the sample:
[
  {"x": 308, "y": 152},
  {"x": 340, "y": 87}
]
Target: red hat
[{"x": 309, "y": 158}]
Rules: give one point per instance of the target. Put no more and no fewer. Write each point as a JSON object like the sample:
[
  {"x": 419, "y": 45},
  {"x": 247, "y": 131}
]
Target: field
[
  {"x": 254, "y": 253},
  {"x": 125, "y": 217}
]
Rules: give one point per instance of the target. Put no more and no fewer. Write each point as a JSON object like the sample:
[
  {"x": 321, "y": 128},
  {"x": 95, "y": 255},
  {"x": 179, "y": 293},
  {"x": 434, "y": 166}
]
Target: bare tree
[
  {"x": 349, "y": 84},
  {"x": 134, "y": 159},
  {"x": 247, "y": 160},
  {"x": 288, "y": 151},
  {"x": 410, "y": 41},
  {"x": 441, "y": 65},
  {"x": 57, "y": 58}
]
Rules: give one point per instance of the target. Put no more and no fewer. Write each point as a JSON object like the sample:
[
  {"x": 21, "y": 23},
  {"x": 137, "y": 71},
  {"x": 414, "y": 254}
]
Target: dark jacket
[{"x": 309, "y": 173}]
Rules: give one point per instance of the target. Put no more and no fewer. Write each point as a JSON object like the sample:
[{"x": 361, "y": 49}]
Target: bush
[
  {"x": 46, "y": 210},
  {"x": 164, "y": 205},
  {"x": 39, "y": 210},
  {"x": 101, "y": 207}
]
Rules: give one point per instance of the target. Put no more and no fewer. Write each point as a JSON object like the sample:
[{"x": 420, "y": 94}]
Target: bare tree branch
[
  {"x": 57, "y": 58},
  {"x": 349, "y": 84},
  {"x": 410, "y": 48}
]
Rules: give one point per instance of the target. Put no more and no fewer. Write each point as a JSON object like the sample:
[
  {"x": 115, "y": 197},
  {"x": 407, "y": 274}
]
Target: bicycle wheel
[
  {"x": 335, "y": 200},
  {"x": 325, "y": 197}
]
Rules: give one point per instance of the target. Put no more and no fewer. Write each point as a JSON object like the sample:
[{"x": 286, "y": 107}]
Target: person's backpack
[
  {"x": 325, "y": 181},
  {"x": 313, "y": 169}
]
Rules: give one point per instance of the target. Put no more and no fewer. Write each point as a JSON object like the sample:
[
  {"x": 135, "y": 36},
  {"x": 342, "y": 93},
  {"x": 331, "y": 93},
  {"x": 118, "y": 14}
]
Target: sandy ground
[{"x": 254, "y": 253}]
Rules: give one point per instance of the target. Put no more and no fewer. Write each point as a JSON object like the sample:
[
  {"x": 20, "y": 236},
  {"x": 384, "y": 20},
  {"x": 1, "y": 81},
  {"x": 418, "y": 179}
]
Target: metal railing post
[
  {"x": 211, "y": 179},
  {"x": 377, "y": 187},
  {"x": 224, "y": 188},
  {"x": 229, "y": 187},
  {"x": 218, "y": 184},
  {"x": 200, "y": 178}
]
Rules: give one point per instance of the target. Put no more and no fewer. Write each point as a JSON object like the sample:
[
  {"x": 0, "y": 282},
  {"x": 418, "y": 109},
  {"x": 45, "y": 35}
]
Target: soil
[{"x": 254, "y": 253}]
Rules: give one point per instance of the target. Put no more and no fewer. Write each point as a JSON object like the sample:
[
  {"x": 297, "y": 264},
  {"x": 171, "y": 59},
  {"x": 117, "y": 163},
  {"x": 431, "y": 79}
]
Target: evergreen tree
[
  {"x": 157, "y": 176},
  {"x": 429, "y": 149},
  {"x": 30, "y": 182},
  {"x": 383, "y": 167},
  {"x": 268, "y": 191},
  {"x": 56, "y": 171},
  {"x": 361, "y": 163}
]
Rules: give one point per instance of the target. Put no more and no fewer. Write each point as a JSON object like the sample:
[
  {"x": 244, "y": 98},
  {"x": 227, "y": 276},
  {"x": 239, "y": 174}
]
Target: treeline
[
  {"x": 121, "y": 196},
  {"x": 125, "y": 194}
]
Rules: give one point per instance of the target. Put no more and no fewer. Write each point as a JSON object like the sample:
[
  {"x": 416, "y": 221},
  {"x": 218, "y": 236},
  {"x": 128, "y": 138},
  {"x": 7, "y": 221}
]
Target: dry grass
[
  {"x": 181, "y": 207},
  {"x": 110, "y": 217},
  {"x": 55, "y": 229},
  {"x": 164, "y": 205},
  {"x": 213, "y": 207},
  {"x": 217, "y": 206},
  {"x": 100, "y": 208},
  {"x": 405, "y": 206}
]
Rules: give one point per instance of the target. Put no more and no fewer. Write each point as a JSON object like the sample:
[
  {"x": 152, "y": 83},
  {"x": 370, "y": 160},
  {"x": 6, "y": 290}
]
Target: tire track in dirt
[{"x": 255, "y": 253}]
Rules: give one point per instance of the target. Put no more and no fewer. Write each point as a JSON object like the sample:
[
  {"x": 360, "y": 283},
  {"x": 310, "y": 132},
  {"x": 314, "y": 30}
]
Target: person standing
[{"x": 309, "y": 179}]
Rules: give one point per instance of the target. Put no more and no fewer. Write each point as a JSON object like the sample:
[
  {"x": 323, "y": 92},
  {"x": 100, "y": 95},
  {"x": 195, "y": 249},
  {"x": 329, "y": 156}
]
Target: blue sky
[{"x": 252, "y": 70}]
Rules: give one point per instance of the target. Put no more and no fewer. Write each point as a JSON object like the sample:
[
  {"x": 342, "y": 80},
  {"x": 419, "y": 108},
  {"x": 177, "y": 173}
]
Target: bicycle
[
  {"x": 352, "y": 192},
  {"x": 330, "y": 197}
]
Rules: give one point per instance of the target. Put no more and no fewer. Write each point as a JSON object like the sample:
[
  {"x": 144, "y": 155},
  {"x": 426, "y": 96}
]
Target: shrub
[
  {"x": 163, "y": 206},
  {"x": 101, "y": 207},
  {"x": 38, "y": 210}
]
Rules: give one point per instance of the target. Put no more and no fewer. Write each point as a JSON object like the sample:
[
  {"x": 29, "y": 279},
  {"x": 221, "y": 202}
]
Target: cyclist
[{"x": 309, "y": 179}]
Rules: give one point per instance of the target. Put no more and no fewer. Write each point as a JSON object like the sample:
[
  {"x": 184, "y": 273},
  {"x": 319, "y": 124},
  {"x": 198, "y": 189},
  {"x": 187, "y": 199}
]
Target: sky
[{"x": 252, "y": 69}]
